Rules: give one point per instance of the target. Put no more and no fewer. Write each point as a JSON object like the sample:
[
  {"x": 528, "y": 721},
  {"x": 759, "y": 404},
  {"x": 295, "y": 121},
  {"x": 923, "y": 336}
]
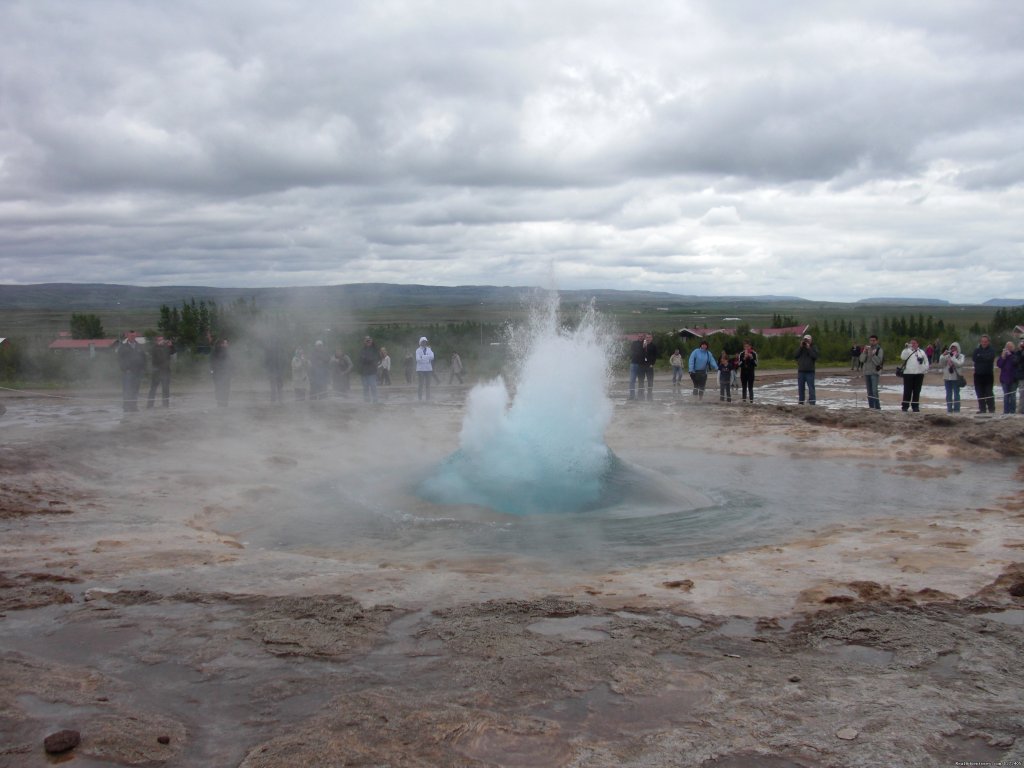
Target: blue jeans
[
  {"x": 871, "y": 382},
  {"x": 1010, "y": 398},
  {"x": 952, "y": 396},
  {"x": 677, "y": 374},
  {"x": 370, "y": 387},
  {"x": 805, "y": 382},
  {"x": 634, "y": 371}
]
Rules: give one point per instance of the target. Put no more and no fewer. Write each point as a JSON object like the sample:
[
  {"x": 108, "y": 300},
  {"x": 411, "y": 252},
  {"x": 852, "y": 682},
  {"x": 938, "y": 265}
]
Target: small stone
[
  {"x": 61, "y": 741},
  {"x": 164, "y": 739},
  {"x": 847, "y": 733},
  {"x": 794, "y": 678},
  {"x": 1017, "y": 590}
]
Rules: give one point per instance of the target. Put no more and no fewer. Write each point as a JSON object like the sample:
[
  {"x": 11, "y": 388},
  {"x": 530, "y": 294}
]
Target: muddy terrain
[{"x": 143, "y": 604}]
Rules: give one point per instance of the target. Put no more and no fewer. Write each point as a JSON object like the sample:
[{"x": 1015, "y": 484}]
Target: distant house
[
  {"x": 793, "y": 330},
  {"x": 702, "y": 333},
  {"x": 82, "y": 346}
]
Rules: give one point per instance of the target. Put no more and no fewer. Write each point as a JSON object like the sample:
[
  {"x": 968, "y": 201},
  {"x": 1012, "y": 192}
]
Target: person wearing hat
[
  {"x": 701, "y": 361},
  {"x": 424, "y": 368},
  {"x": 806, "y": 357}
]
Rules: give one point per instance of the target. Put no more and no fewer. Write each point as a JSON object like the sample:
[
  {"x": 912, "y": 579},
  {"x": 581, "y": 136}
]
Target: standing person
[
  {"x": 1007, "y": 363},
  {"x": 872, "y": 358},
  {"x": 319, "y": 371},
  {"x": 726, "y": 366},
  {"x": 929, "y": 352},
  {"x": 648, "y": 357},
  {"x": 160, "y": 360},
  {"x": 456, "y": 372},
  {"x": 747, "y": 363},
  {"x": 300, "y": 374},
  {"x": 676, "y": 361},
  {"x": 806, "y": 359},
  {"x": 984, "y": 375},
  {"x": 424, "y": 368},
  {"x": 915, "y": 366},
  {"x": 369, "y": 359},
  {"x": 951, "y": 362},
  {"x": 641, "y": 364},
  {"x": 385, "y": 367},
  {"x": 854, "y": 357},
  {"x": 701, "y": 361},
  {"x": 131, "y": 359},
  {"x": 220, "y": 365},
  {"x": 409, "y": 367},
  {"x": 341, "y": 368}
]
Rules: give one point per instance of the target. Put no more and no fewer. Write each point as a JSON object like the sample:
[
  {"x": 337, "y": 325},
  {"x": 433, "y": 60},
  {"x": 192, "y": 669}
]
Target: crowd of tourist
[
  {"x": 316, "y": 376},
  {"x": 737, "y": 371},
  {"x": 322, "y": 374}
]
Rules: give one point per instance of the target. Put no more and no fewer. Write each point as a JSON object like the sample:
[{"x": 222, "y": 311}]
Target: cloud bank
[{"x": 818, "y": 149}]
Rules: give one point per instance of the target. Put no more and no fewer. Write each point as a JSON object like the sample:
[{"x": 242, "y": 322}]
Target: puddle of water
[
  {"x": 737, "y": 627},
  {"x": 1013, "y": 617},
  {"x": 601, "y": 711},
  {"x": 688, "y": 622},
  {"x": 750, "y": 759},
  {"x": 862, "y": 654},
  {"x": 572, "y": 628}
]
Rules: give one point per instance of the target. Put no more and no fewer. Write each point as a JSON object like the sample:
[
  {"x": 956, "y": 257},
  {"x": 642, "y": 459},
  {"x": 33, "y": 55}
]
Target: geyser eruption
[{"x": 542, "y": 450}]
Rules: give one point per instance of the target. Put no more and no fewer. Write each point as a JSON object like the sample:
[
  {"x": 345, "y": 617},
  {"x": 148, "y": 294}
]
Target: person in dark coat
[
  {"x": 984, "y": 375},
  {"x": 748, "y": 364},
  {"x": 369, "y": 359},
  {"x": 131, "y": 359},
  {"x": 643, "y": 354},
  {"x": 806, "y": 360},
  {"x": 160, "y": 360}
]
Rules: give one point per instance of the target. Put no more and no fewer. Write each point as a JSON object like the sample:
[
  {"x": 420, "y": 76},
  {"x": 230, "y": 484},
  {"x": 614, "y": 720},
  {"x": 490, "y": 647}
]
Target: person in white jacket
[
  {"x": 915, "y": 366},
  {"x": 951, "y": 364},
  {"x": 424, "y": 368}
]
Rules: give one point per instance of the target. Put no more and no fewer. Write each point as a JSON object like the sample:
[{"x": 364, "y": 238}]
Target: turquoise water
[{"x": 541, "y": 449}]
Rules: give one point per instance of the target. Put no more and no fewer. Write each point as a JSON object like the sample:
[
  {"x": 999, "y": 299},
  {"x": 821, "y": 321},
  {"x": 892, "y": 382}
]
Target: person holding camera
[
  {"x": 806, "y": 359},
  {"x": 1007, "y": 363},
  {"x": 952, "y": 362},
  {"x": 871, "y": 359},
  {"x": 747, "y": 362},
  {"x": 915, "y": 366}
]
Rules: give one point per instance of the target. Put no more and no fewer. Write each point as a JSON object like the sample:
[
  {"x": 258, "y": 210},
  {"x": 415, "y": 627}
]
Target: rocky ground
[{"x": 131, "y": 613}]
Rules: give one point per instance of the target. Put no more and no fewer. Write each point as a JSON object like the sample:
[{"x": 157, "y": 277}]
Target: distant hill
[
  {"x": 905, "y": 302},
  {"x": 1004, "y": 303},
  {"x": 95, "y": 296}
]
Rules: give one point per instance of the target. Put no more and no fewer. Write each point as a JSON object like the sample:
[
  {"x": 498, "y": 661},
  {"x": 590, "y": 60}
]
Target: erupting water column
[{"x": 544, "y": 449}]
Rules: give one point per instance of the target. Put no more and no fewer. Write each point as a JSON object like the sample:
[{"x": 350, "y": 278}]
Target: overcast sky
[{"x": 830, "y": 150}]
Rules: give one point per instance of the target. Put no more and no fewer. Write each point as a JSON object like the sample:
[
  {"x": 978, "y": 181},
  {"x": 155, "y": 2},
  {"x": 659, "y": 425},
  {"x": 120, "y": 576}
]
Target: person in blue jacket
[{"x": 701, "y": 361}]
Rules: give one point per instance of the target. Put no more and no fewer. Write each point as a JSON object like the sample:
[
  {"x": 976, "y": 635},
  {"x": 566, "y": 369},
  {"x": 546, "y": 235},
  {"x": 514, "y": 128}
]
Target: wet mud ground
[{"x": 134, "y": 610}]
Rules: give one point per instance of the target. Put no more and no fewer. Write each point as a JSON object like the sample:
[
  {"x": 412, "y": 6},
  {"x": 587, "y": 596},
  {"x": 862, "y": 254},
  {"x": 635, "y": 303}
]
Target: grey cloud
[{"x": 265, "y": 142}]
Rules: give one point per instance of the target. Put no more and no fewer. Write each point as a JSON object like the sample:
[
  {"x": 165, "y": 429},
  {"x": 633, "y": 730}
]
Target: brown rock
[
  {"x": 164, "y": 739},
  {"x": 61, "y": 741}
]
